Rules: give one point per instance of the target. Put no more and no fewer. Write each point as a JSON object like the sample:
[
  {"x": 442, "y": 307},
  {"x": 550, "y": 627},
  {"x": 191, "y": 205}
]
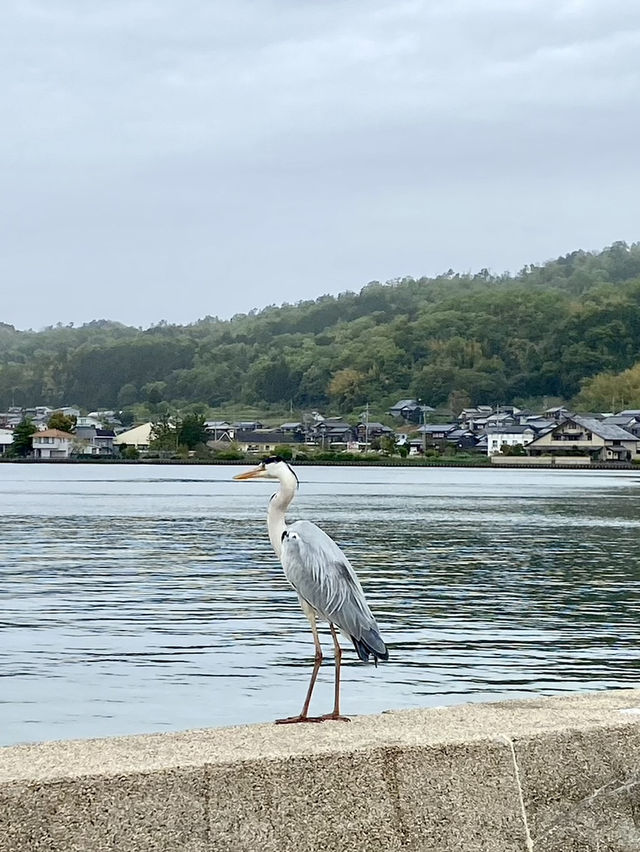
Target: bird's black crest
[{"x": 274, "y": 459}]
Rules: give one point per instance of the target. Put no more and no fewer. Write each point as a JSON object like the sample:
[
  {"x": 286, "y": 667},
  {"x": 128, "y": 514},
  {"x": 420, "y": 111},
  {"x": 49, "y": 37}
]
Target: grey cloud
[{"x": 185, "y": 158}]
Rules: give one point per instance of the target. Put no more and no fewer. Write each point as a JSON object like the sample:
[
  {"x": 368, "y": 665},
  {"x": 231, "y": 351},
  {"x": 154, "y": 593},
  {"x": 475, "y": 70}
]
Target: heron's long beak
[{"x": 251, "y": 474}]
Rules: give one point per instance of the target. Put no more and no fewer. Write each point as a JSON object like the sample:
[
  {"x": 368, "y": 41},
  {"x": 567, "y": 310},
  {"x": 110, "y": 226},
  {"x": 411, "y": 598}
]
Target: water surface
[{"x": 137, "y": 598}]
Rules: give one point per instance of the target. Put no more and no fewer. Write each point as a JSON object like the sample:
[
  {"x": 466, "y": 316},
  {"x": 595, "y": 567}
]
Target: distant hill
[{"x": 476, "y": 338}]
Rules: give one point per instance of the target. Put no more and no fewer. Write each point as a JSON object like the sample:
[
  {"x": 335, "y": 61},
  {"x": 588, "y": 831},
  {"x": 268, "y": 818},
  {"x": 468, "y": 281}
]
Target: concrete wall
[
  {"x": 552, "y": 774},
  {"x": 571, "y": 461}
]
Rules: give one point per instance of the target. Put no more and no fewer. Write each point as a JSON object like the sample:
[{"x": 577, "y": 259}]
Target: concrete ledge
[{"x": 552, "y": 774}]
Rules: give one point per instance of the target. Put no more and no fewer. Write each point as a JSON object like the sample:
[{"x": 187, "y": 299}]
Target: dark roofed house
[
  {"x": 331, "y": 430},
  {"x": 557, "y": 413},
  {"x": 629, "y": 424},
  {"x": 219, "y": 431},
  {"x": 247, "y": 425},
  {"x": 463, "y": 439},
  {"x": 435, "y": 433},
  {"x": 587, "y": 436},
  {"x": 410, "y": 409},
  {"x": 295, "y": 431},
  {"x": 369, "y": 431}
]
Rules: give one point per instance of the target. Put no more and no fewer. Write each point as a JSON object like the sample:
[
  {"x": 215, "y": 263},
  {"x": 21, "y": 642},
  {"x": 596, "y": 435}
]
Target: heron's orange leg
[
  {"x": 303, "y": 717},
  {"x": 336, "y": 695}
]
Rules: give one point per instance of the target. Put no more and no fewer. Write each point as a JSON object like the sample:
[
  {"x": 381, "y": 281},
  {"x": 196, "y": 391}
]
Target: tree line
[{"x": 568, "y": 329}]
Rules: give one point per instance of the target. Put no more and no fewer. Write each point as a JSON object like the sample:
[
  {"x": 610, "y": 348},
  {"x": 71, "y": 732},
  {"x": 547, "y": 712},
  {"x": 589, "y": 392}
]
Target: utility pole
[
  {"x": 424, "y": 430},
  {"x": 366, "y": 427}
]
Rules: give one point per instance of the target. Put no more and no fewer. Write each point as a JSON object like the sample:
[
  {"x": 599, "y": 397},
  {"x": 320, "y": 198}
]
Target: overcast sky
[{"x": 169, "y": 159}]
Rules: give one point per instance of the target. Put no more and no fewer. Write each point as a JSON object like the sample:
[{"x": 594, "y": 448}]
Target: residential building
[
  {"x": 247, "y": 425},
  {"x": 6, "y": 439},
  {"x": 557, "y": 413},
  {"x": 94, "y": 441},
  {"x": 411, "y": 410},
  {"x": 434, "y": 432},
  {"x": 138, "y": 437},
  {"x": 369, "y": 431},
  {"x": 329, "y": 432},
  {"x": 511, "y": 434},
  {"x": 219, "y": 430},
  {"x": 263, "y": 440},
  {"x": 630, "y": 423},
  {"x": 52, "y": 444},
  {"x": 587, "y": 436}
]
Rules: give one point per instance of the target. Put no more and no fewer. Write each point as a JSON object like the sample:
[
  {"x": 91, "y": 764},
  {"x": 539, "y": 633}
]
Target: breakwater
[{"x": 552, "y": 774}]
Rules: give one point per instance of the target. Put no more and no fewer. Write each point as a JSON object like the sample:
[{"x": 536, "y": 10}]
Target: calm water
[{"x": 146, "y": 598}]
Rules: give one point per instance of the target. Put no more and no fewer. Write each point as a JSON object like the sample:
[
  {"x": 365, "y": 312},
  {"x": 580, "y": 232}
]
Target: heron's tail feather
[{"x": 370, "y": 644}]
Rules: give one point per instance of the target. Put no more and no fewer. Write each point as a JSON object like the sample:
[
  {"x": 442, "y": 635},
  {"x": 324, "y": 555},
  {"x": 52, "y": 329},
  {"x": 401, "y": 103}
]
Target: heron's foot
[
  {"x": 335, "y": 717},
  {"x": 292, "y": 720}
]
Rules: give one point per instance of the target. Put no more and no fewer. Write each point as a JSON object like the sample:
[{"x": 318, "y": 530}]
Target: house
[
  {"x": 138, "y": 437},
  {"x": 295, "y": 431},
  {"x": 95, "y": 441},
  {"x": 88, "y": 422},
  {"x": 511, "y": 434},
  {"x": 52, "y": 444},
  {"x": 475, "y": 418},
  {"x": 410, "y": 409},
  {"x": 557, "y": 413},
  {"x": 463, "y": 439},
  {"x": 6, "y": 439},
  {"x": 628, "y": 423},
  {"x": 500, "y": 418},
  {"x": 433, "y": 432},
  {"x": 262, "y": 440},
  {"x": 247, "y": 425},
  {"x": 587, "y": 436},
  {"x": 330, "y": 431},
  {"x": 219, "y": 430},
  {"x": 107, "y": 417},
  {"x": 367, "y": 432}
]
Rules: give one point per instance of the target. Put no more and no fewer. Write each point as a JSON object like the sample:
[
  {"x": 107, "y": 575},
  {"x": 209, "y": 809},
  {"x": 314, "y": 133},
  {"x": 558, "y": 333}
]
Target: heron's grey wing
[{"x": 322, "y": 575}]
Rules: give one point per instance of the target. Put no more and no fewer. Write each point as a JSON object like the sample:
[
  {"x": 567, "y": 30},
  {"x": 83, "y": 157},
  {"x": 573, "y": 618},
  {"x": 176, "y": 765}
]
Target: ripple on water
[{"x": 135, "y": 603}]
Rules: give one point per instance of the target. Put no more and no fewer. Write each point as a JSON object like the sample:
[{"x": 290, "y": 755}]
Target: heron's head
[{"x": 272, "y": 468}]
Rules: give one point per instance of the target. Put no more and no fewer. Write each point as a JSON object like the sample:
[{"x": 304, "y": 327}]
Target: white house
[
  {"x": 52, "y": 444},
  {"x": 6, "y": 439},
  {"x": 510, "y": 435}
]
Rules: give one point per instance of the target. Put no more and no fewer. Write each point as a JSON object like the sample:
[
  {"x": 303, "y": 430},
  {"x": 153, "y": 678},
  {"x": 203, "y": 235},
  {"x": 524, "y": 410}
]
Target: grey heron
[{"x": 327, "y": 586}]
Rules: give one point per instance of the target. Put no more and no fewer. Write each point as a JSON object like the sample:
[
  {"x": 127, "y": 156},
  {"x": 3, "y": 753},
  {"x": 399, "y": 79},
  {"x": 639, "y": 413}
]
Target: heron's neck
[{"x": 278, "y": 505}]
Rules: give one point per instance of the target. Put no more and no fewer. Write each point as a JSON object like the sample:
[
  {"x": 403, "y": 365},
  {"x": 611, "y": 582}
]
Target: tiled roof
[
  {"x": 52, "y": 433},
  {"x": 610, "y": 432}
]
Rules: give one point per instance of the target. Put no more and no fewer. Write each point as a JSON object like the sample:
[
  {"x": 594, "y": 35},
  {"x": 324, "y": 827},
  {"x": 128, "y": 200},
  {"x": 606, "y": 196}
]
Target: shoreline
[{"x": 484, "y": 464}]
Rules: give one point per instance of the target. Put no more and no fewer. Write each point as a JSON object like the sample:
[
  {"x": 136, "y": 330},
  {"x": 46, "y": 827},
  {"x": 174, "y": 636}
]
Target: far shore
[{"x": 482, "y": 463}]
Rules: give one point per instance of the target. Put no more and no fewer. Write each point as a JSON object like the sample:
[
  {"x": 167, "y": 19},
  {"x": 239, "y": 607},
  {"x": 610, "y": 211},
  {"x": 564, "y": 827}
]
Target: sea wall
[{"x": 552, "y": 774}]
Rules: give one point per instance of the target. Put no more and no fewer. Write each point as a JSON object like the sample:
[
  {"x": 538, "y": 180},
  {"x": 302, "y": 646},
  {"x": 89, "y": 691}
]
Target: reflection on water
[{"x": 137, "y": 598}]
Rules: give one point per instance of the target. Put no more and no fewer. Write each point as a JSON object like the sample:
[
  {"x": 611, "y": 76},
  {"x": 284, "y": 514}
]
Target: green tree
[
  {"x": 191, "y": 431},
  {"x": 611, "y": 391},
  {"x": 164, "y": 434},
  {"x": 22, "y": 444},
  {"x": 346, "y": 388},
  {"x": 388, "y": 444},
  {"x": 64, "y": 422}
]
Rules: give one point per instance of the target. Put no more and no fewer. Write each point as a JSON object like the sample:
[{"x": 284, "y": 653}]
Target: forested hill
[{"x": 482, "y": 337}]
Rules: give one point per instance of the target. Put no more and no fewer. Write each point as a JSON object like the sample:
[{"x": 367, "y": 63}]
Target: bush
[{"x": 229, "y": 455}]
